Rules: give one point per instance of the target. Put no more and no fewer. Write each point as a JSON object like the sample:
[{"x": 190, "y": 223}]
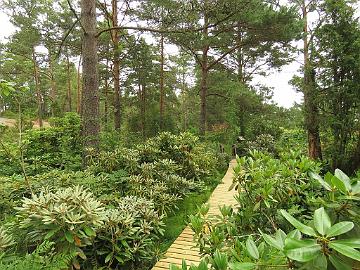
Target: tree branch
[
  {"x": 211, "y": 65},
  {"x": 65, "y": 38},
  {"x": 76, "y": 15}
]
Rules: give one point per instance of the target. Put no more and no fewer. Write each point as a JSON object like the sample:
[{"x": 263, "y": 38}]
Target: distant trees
[
  {"x": 338, "y": 77},
  {"x": 131, "y": 82}
]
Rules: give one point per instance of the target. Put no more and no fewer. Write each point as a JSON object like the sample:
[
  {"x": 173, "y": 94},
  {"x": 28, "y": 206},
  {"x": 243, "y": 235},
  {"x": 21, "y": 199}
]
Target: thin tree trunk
[
  {"x": 204, "y": 75},
  {"x": 79, "y": 86},
  {"x": 106, "y": 91},
  {"x": 53, "y": 93},
  {"x": 69, "y": 101},
  {"x": 90, "y": 95},
  {"x": 240, "y": 56},
  {"x": 311, "y": 110},
  {"x": 38, "y": 90},
  {"x": 142, "y": 101},
  {"x": 162, "y": 92},
  {"x": 116, "y": 67}
]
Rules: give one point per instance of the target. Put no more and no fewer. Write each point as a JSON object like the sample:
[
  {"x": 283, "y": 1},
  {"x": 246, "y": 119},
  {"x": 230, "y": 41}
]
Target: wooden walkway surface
[{"x": 184, "y": 247}]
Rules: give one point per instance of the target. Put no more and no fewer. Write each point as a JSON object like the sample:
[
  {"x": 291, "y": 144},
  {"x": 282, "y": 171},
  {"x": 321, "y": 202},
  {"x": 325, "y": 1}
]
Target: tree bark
[
  {"x": 69, "y": 101},
  {"x": 106, "y": 91},
  {"x": 116, "y": 66},
  {"x": 78, "y": 104},
  {"x": 39, "y": 97},
  {"x": 162, "y": 92},
  {"x": 204, "y": 75},
  {"x": 90, "y": 95},
  {"x": 142, "y": 100},
  {"x": 53, "y": 93},
  {"x": 311, "y": 109}
]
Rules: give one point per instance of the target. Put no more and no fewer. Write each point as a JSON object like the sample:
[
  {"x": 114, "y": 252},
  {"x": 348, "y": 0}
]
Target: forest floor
[
  {"x": 184, "y": 246},
  {"x": 12, "y": 122}
]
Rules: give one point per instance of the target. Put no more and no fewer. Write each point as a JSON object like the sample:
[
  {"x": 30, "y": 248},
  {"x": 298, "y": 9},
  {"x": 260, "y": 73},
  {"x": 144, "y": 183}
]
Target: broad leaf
[
  {"x": 280, "y": 236},
  {"x": 320, "y": 180},
  {"x": 319, "y": 263},
  {"x": 251, "y": 248},
  {"x": 339, "y": 184},
  {"x": 295, "y": 234},
  {"x": 354, "y": 243},
  {"x": 322, "y": 221},
  {"x": 291, "y": 243},
  {"x": 302, "y": 250},
  {"x": 109, "y": 257},
  {"x": 344, "y": 178},
  {"x": 69, "y": 237},
  {"x": 355, "y": 189},
  {"x": 273, "y": 242},
  {"x": 346, "y": 250},
  {"x": 89, "y": 231},
  {"x": 340, "y": 228},
  {"x": 338, "y": 264},
  {"x": 298, "y": 225}
]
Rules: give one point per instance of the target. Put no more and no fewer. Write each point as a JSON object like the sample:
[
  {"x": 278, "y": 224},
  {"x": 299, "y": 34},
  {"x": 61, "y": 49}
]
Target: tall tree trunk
[
  {"x": 184, "y": 101},
  {"x": 90, "y": 95},
  {"x": 116, "y": 67},
  {"x": 69, "y": 101},
  {"x": 204, "y": 75},
  {"x": 53, "y": 93},
  {"x": 79, "y": 86},
  {"x": 311, "y": 109},
  {"x": 142, "y": 101},
  {"x": 106, "y": 91},
  {"x": 162, "y": 92},
  {"x": 240, "y": 55},
  {"x": 39, "y": 96}
]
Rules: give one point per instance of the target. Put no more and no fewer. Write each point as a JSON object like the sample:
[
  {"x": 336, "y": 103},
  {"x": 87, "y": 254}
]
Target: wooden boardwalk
[{"x": 184, "y": 247}]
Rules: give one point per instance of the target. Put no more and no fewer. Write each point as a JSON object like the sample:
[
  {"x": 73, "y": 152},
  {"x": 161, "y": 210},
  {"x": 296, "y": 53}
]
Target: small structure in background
[{"x": 239, "y": 148}]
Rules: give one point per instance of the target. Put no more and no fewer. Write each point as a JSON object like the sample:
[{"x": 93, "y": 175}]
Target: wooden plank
[
  {"x": 195, "y": 258},
  {"x": 173, "y": 249},
  {"x": 184, "y": 247}
]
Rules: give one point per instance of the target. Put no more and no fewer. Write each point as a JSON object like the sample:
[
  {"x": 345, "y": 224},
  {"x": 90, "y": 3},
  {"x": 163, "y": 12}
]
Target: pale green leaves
[
  {"x": 252, "y": 249},
  {"x": 322, "y": 225},
  {"x": 6, "y": 88},
  {"x": 340, "y": 228},
  {"x": 301, "y": 250},
  {"x": 298, "y": 225},
  {"x": 322, "y": 221},
  {"x": 339, "y": 181}
]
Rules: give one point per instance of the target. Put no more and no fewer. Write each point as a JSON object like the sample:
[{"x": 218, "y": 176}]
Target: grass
[{"x": 177, "y": 221}]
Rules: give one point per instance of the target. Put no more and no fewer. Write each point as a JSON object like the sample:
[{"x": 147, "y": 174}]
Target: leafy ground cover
[
  {"x": 120, "y": 213},
  {"x": 288, "y": 217}
]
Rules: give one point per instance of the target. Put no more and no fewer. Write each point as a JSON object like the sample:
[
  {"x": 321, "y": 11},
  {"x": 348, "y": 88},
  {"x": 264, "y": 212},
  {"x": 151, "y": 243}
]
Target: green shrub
[
  {"x": 58, "y": 146},
  {"x": 129, "y": 233},
  {"x": 68, "y": 217}
]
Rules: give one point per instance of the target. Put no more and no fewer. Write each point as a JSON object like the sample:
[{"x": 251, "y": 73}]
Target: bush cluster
[
  {"x": 107, "y": 216},
  {"x": 288, "y": 217}
]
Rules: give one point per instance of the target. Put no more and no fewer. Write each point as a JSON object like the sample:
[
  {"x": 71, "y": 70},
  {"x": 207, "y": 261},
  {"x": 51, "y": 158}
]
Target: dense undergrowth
[
  {"x": 288, "y": 216},
  {"x": 114, "y": 214}
]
